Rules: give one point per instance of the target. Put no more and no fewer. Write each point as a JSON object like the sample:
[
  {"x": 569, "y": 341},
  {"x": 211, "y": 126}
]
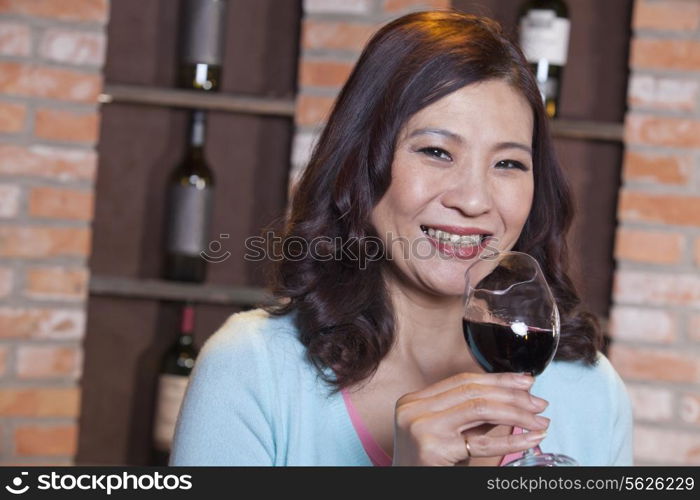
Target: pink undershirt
[{"x": 375, "y": 452}]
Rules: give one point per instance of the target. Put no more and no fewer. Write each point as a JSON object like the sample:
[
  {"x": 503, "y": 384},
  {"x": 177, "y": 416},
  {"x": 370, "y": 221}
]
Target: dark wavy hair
[{"x": 343, "y": 310}]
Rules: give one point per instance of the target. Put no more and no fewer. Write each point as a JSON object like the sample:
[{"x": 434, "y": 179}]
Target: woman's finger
[
  {"x": 463, "y": 393},
  {"x": 483, "y": 445},
  {"x": 479, "y": 411},
  {"x": 511, "y": 380}
]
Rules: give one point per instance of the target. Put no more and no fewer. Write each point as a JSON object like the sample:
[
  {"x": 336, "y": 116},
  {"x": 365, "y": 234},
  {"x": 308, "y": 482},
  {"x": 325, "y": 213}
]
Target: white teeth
[
  {"x": 465, "y": 240},
  {"x": 470, "y": 240}
]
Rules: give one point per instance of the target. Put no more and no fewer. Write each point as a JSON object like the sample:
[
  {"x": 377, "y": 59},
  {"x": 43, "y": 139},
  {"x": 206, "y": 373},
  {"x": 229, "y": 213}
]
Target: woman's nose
[{"x": 470, "y": 193}]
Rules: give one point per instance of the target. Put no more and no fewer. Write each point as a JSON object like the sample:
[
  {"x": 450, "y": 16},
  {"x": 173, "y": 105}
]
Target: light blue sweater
[{"x": 254, "y": 399}]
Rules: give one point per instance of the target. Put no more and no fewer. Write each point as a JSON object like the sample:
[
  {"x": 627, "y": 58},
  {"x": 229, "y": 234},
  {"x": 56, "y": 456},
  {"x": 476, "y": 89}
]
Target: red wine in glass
[{"x": 510, "y": 348}]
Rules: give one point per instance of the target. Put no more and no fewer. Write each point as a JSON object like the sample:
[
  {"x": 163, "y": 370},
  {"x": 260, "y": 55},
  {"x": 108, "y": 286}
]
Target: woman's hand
[{"x": 429, "y": 424}]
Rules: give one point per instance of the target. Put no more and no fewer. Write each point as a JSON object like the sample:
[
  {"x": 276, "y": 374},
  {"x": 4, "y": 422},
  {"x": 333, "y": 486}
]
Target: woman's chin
[{"x": 447, "y": 289}]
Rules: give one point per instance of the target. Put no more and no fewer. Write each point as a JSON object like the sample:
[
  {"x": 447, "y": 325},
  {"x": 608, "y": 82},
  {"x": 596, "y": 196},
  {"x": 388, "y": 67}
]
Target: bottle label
[
  {"x": 543, "y": 35},
  {"x": 189, "y": 215},
  {"x": 171, "y": 392},
  {"x": 203, "y": 37}
]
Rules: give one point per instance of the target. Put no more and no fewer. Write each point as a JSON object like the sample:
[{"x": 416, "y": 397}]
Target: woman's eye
[
  {"x": 509, "y": 164},
  {"x": 436, "y": 152}
]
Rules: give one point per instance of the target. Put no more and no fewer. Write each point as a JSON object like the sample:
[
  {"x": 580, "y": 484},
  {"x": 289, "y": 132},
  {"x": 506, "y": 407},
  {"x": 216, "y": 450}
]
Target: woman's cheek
[{"x": 515, "y": 206}]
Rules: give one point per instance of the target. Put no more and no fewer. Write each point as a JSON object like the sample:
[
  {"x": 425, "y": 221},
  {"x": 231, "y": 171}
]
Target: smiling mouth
[{"x": 457, "y": 240}]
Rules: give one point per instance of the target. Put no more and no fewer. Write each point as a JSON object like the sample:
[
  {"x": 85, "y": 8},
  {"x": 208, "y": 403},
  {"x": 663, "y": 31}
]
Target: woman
[{"x": 437, "y": 147}]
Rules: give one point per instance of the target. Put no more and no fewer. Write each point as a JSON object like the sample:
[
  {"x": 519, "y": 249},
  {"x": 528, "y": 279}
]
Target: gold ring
[{"x": 469, "y": 451}]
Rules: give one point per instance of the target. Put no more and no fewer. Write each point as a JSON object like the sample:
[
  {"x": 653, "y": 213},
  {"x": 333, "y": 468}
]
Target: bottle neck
[
  {"x": 187, "y": 325},
  {"x": 197, "y": 130},
  {"x": 546, "y": 3}
]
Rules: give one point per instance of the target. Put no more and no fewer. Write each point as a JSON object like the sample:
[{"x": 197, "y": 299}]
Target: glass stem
[
  {"x": 535, "y": 450},
  {"x": 532, "y": 452}
]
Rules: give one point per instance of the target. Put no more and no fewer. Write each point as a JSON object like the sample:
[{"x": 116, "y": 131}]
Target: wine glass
[{"x": 511, "y": 324}]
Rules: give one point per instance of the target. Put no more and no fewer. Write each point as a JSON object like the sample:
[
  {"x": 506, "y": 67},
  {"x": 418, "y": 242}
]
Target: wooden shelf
[
  {"x": 133, "y": 288},
  {"x": 155, "y": 96},
  {"x": 580, "y": 129}
]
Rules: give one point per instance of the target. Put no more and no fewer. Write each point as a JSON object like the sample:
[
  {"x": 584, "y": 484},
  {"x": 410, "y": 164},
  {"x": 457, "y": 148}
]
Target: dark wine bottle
[
  {"x": 172, "y": 381},
  {"x": 544, "y": 38},
  {"x": 203, "y": 28},
  {"x": 189, "y": 207}
]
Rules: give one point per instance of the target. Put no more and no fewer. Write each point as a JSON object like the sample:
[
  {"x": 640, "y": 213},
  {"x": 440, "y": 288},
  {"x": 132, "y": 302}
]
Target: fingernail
[
  {"x": 538, "y": 403},
  {"x": 542, "y": 421},
  {"x": 536, "y": 435},
  {"x": 525, "y": 381}
]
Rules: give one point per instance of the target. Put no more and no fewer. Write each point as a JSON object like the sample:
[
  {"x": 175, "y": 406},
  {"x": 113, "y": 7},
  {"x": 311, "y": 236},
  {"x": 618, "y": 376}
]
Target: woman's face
[{"x": 462, "y": 184}]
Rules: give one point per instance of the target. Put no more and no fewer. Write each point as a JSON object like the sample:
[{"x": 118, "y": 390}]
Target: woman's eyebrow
[
  {"x": 512, "y": 145},
  {"x": 437, "y": 131}
]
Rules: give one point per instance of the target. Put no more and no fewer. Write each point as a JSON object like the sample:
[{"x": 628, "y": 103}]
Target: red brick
[
  {"x": 63, "y": 10},
  {"x": 6, "y": 281},
  {"x": 324, "y": 73},
  {"x": 46, "y": 440},
  {"x": 657, "y": 168},
  {"x": 47, "y": 362},
  {"x": 666, "y": 447},
  {"x": 3, "y": 360},
  {"x": 36, "y": 462},
  {"x": 59, "y": 163},
  {"x": 57, "y": 283},
  {"x": 354, "y": 7},
  {"x": 58, "y": 203},
  {"x": 694, "y": 328},
  {"x": 59, "y": 324},
  {"x": 12, "y": 117},
  {"x": 690, "y": 408},
  {"x": 15, "y": 39},
  {"x": 669, "y": 15},
  {"x": 313, "y": 110},
  {"x": 336, "y": 35},
  {"x": 395, "y": 6},
  {"x": 39, "y": 402},
  {"x": 662, "y": 131},
  {"x": 663, "y": 93},
  {"x": 38, "y": 241},
  {"x": 643, "y": 325},
  {"x": 9, "y": 200},
  {"x": 73, "y": 47},
  {"x": 653, "y": 247},
  {"x": 649, "y": 53},
  {"x": 51, "y": 83},
  {"x": 661, "y": 289},
  {"x": 651, "y": 404},
  {"x": 652, "y": 364},
  {"x": 662, "y": 208},
  {"x": 60, "y": 125}
]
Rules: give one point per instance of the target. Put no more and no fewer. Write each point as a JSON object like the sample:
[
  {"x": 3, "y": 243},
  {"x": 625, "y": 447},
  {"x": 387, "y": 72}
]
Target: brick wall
[
  {"x": 51, "y": 54},
  {"x": 656, "y": 314}
]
